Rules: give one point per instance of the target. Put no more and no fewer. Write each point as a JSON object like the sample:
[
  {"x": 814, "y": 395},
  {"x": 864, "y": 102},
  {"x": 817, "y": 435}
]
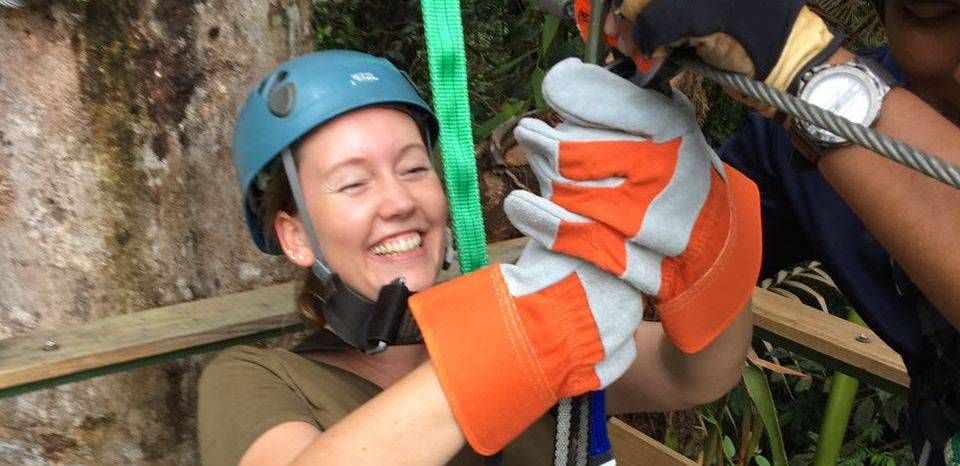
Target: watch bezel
[{"x": 815, "y": 76}]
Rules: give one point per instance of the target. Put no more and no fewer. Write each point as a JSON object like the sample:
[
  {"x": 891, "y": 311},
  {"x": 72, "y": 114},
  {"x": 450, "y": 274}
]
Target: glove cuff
[
  {"x": 810, "y": 40},
  {"x": 502, "y": 360},
  {"x": 696, "y": 316}
]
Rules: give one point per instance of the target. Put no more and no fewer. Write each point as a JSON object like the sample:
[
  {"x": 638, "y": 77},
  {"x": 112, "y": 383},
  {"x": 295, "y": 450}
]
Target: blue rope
[{"x": 601, "y": 452}]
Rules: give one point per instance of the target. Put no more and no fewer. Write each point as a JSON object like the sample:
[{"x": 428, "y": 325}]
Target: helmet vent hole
[
  {"x": 281, "y": 76},
  {"x": 282, "y": 98},
  {"x": 260, "y": 88}
]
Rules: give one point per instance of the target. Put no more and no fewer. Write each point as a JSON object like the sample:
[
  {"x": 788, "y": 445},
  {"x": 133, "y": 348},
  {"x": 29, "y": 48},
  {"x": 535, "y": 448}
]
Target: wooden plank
[
  {"x": 163, "y": 333},
  {"x": 132, "y": 340},
  {"x": 832, "y": 338},
  {"x": 503, "y": 251},
  {"x": 634, "y": 448},
  {"x": 145, "y": 334}
]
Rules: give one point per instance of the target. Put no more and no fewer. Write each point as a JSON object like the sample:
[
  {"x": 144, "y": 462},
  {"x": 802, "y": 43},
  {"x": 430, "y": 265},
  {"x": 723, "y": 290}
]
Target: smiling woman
[
  {"x": 333, "y": 154},
  {"x": 359, "y": 139}
]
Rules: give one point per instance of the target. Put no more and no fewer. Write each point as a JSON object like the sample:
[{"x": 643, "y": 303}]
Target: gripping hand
[
  {"x": 509, "y": 341},
  {"x": 629, "y": 184},
  {"x": 769, "y": 40}
]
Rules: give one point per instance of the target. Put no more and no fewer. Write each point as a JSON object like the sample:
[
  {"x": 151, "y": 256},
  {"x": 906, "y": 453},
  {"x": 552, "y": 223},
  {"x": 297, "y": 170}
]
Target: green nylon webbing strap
[
  {"x": 951, "y": 452},
  {"x": 448, "y": 80}
]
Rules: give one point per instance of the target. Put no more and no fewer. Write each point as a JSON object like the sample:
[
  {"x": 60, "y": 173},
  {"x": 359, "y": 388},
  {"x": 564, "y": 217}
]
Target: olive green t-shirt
[{"x": 245, "y": 391}]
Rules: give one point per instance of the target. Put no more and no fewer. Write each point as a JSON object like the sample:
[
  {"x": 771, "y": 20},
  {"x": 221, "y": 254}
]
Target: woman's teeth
[{"x": 397, "y": 245}]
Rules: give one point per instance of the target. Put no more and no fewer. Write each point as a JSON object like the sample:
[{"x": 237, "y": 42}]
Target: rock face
[{"x": 117, "y": 194}]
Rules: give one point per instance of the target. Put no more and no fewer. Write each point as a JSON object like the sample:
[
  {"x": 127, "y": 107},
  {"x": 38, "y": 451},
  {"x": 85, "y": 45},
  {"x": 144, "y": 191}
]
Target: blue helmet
[{"x": 304, "y": 93}]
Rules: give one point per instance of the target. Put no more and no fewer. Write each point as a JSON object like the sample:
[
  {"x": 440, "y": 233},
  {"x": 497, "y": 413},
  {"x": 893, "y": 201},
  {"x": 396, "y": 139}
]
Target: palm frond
[
  {"x": 809, "y": 283},
  {"x": 857, "y": 18}
]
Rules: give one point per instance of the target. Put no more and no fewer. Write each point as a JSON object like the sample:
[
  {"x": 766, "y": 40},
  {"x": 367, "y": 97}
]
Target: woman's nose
[{"x": 397, "y": 200}]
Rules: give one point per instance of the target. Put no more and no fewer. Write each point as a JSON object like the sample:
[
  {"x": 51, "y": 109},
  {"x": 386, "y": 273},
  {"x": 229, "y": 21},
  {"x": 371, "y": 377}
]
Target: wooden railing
[{"x": 47, "y": 358}]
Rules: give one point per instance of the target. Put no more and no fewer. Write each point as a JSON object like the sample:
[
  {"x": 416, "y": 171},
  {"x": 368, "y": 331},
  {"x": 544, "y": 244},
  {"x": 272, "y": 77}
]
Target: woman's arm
[
  {"x": 663, "y": 378},
  {"x": 409, "y": 423}
]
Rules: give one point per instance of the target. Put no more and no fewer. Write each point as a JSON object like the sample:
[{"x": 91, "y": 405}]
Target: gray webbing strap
[
  {"x": 561, "y": 446},
  {"x": 583, "y": 429},
  {"x": 290, "y": 167}
]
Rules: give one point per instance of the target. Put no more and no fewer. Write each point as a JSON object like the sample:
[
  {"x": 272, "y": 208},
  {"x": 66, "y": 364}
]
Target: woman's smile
[{"x": 400, "y": 246}]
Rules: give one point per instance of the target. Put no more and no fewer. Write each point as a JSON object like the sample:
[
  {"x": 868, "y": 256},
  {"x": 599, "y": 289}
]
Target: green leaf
[
  {"x": 708, "y": 413},
  {"x": 891, "y": 410},
  {"x": 536, "y": 80},
  {"x": 761, "y": 461},
  {"x": 487, "y": 127},
  {"x": 786, "y": 418},
  {"x": 864, "y": 414},
  {"x": 551, "y": 24},
  {"x": 506, "y": 67},
  {"x": 803, "y": 385},
  {"x": 882, "y": 459},
  {"x": 670, "y": 437},
  {"x": 759, "y": 390},
  {"x": 728, "y": 449}
]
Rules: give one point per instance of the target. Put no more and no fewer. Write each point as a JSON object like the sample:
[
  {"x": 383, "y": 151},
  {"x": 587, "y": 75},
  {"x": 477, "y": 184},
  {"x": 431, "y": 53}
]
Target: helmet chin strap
[
  {"x": 290, "y": 166},
  {"x": 356, "y": 321}
]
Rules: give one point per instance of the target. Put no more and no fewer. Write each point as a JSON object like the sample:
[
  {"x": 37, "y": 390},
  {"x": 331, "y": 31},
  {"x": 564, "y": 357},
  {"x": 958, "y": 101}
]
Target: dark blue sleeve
[
  {"x": 753, "y": 151},
  {"x": 804, "y": 218}
]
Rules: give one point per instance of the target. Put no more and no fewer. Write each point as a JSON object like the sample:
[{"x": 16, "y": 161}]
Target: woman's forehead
[{"x": 369, "y": 133}]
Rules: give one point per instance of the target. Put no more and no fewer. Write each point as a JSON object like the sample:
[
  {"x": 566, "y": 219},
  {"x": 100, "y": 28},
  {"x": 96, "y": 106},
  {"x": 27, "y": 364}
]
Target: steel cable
[{"x": 892, "y": 149}]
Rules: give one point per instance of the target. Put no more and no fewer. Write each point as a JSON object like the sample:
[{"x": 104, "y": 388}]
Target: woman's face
[{"x": 377, "y": 204}]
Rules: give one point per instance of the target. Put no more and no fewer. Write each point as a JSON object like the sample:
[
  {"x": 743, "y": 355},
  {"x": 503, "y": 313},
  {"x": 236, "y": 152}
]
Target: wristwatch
[{"x": 853, "y": 90}]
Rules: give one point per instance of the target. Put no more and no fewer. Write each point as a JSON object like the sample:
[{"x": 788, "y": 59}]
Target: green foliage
[
  {"x": 875, "y": 434},
  {"x": 857, "y": 18},
  {"x": 787, "y": 411},
  {"x": 758, "y": 387},
  {"x": 509, "y": 45},
  {"x": 724, "y": 118}
]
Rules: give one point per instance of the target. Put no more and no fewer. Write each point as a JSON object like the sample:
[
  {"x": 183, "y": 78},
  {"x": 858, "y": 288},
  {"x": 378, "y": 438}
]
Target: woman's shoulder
[
  {"x": 239, "y": 366},
  {"x": 249, "y": 363},
  {"x": 244, "y": 391},
  {"x": 244, "y": 357}
]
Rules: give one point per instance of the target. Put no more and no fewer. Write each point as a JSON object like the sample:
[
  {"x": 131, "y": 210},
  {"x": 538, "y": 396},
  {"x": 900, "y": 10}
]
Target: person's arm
[
  {"x": 409, "y": 423},
  {"x": 663, "y": 378},
  {"x": 916, "y": 218}
]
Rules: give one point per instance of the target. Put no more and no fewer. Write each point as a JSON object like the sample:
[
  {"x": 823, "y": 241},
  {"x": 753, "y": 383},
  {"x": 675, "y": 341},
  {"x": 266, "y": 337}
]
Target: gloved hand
[
  {"x": 634, "y": 188},
  {"x": 509, "y": 341},
  {"x": 770, "y": 40}
]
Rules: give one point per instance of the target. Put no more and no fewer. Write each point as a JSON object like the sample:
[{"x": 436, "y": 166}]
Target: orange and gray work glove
[
  {"x": 769, "y": 40},
  {"x": 509, "y": 341},
  {"x": 629, "y": 184}
]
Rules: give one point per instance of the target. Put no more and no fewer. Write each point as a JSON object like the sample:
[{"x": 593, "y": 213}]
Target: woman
[{"x": 355, "y": 139}]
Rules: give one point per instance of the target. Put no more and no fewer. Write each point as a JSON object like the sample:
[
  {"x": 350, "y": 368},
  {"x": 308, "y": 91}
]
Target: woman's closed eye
[
  {"x": 352, "y": 186},
  {"x": 417, "y": 169}
]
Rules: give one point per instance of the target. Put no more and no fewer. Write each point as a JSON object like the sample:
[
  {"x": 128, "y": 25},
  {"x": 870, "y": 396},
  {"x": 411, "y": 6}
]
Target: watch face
[
  {"x": 851, "y": 90},
  {"x": 843, "y": 93}
]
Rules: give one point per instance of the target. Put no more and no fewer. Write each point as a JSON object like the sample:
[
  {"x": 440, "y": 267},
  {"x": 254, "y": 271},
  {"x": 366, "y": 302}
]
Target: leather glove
[
  {"x": 629, "y": 184},
  {"x": 770, "y": 40},
  {"x": 509, "y": 341}
]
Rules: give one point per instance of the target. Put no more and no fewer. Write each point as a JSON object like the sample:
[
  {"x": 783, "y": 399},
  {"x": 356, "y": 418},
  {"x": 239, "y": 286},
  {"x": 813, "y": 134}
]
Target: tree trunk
[{"x": 118, "y": 194}]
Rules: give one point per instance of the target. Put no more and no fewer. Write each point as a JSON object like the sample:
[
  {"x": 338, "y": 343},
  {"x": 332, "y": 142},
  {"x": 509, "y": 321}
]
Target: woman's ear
[{"x": 293, "y": 239}]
